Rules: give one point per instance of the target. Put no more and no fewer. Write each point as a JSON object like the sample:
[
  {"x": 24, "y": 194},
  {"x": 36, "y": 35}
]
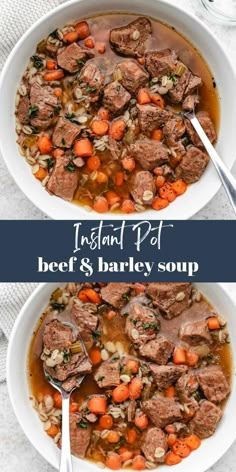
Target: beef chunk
[
  {"x": 87, "y": 322},
  {"x": 141, "y": 324},
  {"x": 190, "y": 102},
  {"x": 149, "y": 153},
  {"x": 65, "y": 133},
  {"x": 131, "y": 410},
  {"x": 170, "y": 298},
  {"x": 23, "y": 110},
  {"x": 176, "y": 94},
  {"x": 57, "y": 336},
  {"x": 206, "y": 420},
  {"x": 192, "y": 165},
  {"x": 72, "y": 57},
  {"x": 195, "y": 333},
  {"x": 78, "y": 364},
  {"x": 159, "y": 63},
  {"x": 206, "y": 124},
  {"x": 166, "y": 375},
  {"x": 130, "y": 40},
  {"x": 79, "y": 437},
  {"x": 91, "y": 82},
  {"x": 116, "y": 98},
  {"x": 173, "y": 130},
  {"x": 152, "y": 117},
  {"x": 194, "y": 83},
  {"x": 152, "y": 442},
  {"x": 133, "y": 76},
  {"x": 108, "y": 374},
  {"x": 115, "y": 148},
  {"x": 62, "y": 182},
  {"x": 116, "y": 294},
  {"x": 158, "y": 350},
  {"x": 44, "y": 99},
  {"x": 214, "y": 384},
  {"x": 70, "y": 383},
  {"x": 162, "y": 411},
  {"x": 185, "y": 387},
  {"x": 143, "y": 188}
]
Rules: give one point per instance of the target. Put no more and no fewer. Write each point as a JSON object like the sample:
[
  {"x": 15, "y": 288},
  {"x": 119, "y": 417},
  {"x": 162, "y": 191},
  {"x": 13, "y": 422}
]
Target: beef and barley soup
[
  {"x": 99, "y": 113},
  {"x": 157, "y": 371}
]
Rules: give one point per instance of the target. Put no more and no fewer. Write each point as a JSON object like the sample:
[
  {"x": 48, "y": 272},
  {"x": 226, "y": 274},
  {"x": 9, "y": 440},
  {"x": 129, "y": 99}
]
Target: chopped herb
[
  {"x": 66, "y": 356},
  {"x": 57, "y": 109},
  {"x": 80, "y": 81},
  {"x": 54, "y": 34},
  {"x": 100, "y": 379},
  {"x": 33, "y": 111},
  {"x": 80, "y": 62},
  {"x": 115, "y": 358},
  {"x": 82, "y": 424},
  {"x": 71, "y": 117},
  {"x": 118, "y": 88},
  {"x": 126, "y": 296},
  {"x": 116, "y": 448},
  {"x": 50, "y": 162},
  {"x": 96, "y": 334},
  {"x": 152, "y": 324},
  {"x": 63, "y": 141},
  {"x": 90, "y": 89},
  {"x": 70, "y": 167},
  {"x": 135, "y": 322},
  {"x": 34, "y": 129},
  {"x": 173, "y": 77},
  {"x": 38, "y": 61},
  {"x": 58, "y": 306}
]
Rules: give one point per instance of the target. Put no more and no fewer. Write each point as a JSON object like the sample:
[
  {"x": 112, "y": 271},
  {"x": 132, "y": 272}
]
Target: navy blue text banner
[{"x": 47, "y": 251}]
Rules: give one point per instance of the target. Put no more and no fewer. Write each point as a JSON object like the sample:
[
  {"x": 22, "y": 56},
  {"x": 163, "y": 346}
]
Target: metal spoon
[
  {"x": 227, "y": 179},
  {"x": 65, "y": 462}
]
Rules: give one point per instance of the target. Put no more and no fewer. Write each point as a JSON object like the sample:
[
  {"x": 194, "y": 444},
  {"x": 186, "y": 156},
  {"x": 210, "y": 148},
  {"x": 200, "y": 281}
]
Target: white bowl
[
  {"x": 199, "y": 193},
  {"x": 211, "y": 449}
]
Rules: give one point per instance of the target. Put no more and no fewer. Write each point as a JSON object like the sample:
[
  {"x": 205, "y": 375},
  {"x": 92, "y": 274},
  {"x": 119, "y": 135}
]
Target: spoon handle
[
  {"x": 65, "y": 464},
  {"x": 227, "y": 178}
]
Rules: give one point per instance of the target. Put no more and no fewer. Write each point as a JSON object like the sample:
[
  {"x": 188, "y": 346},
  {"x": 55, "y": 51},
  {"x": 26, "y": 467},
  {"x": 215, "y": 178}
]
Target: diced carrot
[
  {"x": 92, "y": 295},
  {"x": 93, "y": 163},
  {"x": 117, "y": 129},
  {"x": 170, "y": 392},
  {"x": 179, "y": 187},
  {"x": 193, "y": 442},
  {"x": 171, "y": 440},
  {"x": 71, "y": 37},
  {"x": 141, "y": 61},
  {"x": 106, "y": 421},
  {"x": 57, "y": 91},
  {"x": 104, "y": 114},
  {"x": 160, "y": 180},
  {"x": 189, "y": 415},
  {"x": 120, "y": 393},
  {"x": 97, "y": 405},
  {"x": 136, "y": 452},
  {"x": 113, "y": 437},
  {"x": 179, "y": 356},
  {"x": 119, "y": 179},
  {"x": 44, "y": 144},
  {"x": 213, "y": 323},
  {"x": 131, "y": 436},
  {"x": 89, "y": 43},
  {"x": 175, "y": 160},
  {"x": 83, "y": 148},
  {"x": 100, "y": 205},
  {"x": 52, "y": 431},
  {"x": 41, "y": 173},
  {"x": 113, "y": 461},
  {"x": 74, "y": 407},
  {"x": 95, "y": 356},
  {"x": 101, "y": 178},
  {"x": 139, "y": 288},
  {"x": 132, "y": 365},
  {"x": 139, "y": 463},
  {"x": 158, "y": 100},
  {"x": 112, "y": 197},
  {"x": 157, "y": 134},
  {"x": 51, "y": 65},
  {"x": 159, "y": 203},
  {"x": 110, "y": 315},
  {"x": 57, "y": 400},
  {"x": 172, "y": 459},
  {"x": 167, "y": 192},
  {"x": 100, "y": 127},
  {"x": 53, "y": 75},
  {"x": 128, "y": 163},
  {"x": 143, "y": 96},
  {"x": 192, "y": 358},
  {"x": 100, "y": 47},
  {"x": 125, "y": 454},
  {"x": 82, "y": 295},
  {"x": 82, "y": 29},
  {"x": 135, "y": 388},
  {"x": 141, "y": 421},
  {"x": 181, "y": 449},
  {"x": 127, "y": 206},
  {"x": 58, "y": 152}
]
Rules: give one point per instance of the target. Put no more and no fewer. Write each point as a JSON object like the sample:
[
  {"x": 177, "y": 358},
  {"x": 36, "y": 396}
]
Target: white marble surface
[
  {"x": 15, "y": 449},
  {"x": 13, "y": 203}
]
